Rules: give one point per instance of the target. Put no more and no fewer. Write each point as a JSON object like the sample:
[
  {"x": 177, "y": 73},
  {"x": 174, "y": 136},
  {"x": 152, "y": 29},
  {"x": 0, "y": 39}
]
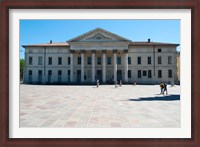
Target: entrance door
[
  {"x": 30, "y": 76},
  {"x": 78, "y": 77},
  {"x": 49, "y": 76},
  {"x": 69, "y": 75},
  {"x": 99, "y": 75},
  {"x": 119, "y": 75},
  {"x": 40, "y": 76}
]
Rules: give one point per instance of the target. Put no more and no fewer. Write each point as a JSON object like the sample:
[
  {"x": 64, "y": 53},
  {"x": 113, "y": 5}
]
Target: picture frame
[{"x": 103, "y": 4}]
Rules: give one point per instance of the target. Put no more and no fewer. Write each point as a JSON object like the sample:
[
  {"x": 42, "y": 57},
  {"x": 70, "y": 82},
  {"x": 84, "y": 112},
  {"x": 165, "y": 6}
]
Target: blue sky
[{"x": 42, "y": 31}]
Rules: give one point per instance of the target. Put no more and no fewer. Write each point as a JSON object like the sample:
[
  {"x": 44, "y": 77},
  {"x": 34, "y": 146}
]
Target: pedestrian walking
[
  {"x": 161, "y": 88},
  {"x": 165, "y": 88},
  {"x": 97, "y": 83},
  {"x": 115, "y": 84},
  {"x": 120, "y": 83}
]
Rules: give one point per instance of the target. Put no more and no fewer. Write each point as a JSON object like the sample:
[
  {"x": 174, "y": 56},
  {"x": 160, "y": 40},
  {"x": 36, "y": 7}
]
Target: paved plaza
[{"x": 129, "y": 106}]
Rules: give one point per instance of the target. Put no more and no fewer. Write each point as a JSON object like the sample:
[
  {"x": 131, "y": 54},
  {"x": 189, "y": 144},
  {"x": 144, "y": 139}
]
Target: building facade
[
  {"x": 178, "y": 67},
  {"x": 99, "y": 54}
]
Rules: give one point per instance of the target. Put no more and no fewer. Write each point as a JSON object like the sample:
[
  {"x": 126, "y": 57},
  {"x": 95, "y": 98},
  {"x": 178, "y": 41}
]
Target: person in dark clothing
[{"x": 165, "y": 88}]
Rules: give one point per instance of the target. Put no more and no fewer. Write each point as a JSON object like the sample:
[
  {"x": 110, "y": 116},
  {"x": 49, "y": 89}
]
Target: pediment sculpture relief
[{"x": 99, "y": 37}]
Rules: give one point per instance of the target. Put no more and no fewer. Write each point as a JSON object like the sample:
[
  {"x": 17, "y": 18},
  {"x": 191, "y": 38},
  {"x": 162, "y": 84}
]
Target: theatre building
[{"x": 100, "y": 54}]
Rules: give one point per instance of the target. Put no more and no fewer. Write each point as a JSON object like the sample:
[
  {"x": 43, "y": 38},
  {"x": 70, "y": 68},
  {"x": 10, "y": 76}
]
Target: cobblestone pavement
[{"x": 129, "y": 106}]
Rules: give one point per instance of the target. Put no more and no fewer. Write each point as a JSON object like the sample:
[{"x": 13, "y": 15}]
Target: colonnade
[{"x": 103, "y": 65}]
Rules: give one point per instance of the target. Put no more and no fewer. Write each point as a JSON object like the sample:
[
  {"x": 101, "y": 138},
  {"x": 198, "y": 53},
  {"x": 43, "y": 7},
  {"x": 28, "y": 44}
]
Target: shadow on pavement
[{"x": 160, "y": 98}]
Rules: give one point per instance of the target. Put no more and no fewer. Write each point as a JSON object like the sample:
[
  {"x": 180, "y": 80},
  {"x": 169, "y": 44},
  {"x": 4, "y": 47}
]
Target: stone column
[
  {"x": 115, "y": 65},
  {"x": 71, "y": 66},
  {"x": 93, "y": 65},
  {"x": 82, "y": 66},
  {"x": 126, "y": 65},
  {"x": 104, "y": 66}
]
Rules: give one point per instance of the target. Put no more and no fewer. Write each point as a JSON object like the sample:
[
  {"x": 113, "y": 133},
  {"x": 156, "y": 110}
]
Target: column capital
[
  {"x": 103, "y": 51},
  {"x": 93, "y": 51},
  {"x": 114, "y": 51},
  {"x": 125, "y": 51}
]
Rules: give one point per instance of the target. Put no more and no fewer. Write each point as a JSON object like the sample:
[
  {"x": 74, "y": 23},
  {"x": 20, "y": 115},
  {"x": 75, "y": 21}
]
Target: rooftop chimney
[
  {"x": 149, "y": 40},
  {"x": 50, "y": 41}
]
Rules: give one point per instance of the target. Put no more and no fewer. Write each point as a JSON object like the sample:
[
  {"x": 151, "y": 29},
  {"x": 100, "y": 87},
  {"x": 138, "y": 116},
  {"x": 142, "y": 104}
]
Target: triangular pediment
[{"x": 98, "y": 35}]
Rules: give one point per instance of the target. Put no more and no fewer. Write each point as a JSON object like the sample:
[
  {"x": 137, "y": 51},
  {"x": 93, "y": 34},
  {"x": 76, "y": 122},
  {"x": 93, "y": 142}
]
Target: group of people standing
[
  {"x": 120, "y": 83},
  {"x": 163, "y": 88}
]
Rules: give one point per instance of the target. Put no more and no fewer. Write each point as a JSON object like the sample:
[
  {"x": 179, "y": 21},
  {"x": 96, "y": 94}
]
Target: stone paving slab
[{"x": 129, "y": 106}]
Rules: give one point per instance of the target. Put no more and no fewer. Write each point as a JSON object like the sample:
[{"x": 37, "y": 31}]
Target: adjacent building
[
  {"x": 100, "y": 54},
  {"x": 178, "y": 67}
]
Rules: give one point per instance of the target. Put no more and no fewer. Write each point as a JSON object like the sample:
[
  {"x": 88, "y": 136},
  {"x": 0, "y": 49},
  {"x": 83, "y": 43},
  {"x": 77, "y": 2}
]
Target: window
[
  {"x": 79, "y": 60},
  {"x": 149, "y": 60},
  {"x": 59, "y": 60},
  {"x": 159, "y": 73},
  {"x": 50, "y": 60},
  {"x": 98, "y": 60},
  {"x": 139, "y": 74},
  {"x": 169, "y": 60},
  {"x": 144, "y": 73},
  {"x": 30, "y": 75},
  {"x": 138, "y": 60},
  {"x": 59, "y": 75},
  {"x": 129, "y": 60},
  {"x": 109, "y": 60},
  {"x": 129, "y": 73},
  {"x": 39, "y": 76},
  {"x": 149, "y": 74},
  {"x": 89, "y": 61},
  {"x": 30, "y": 72},
  {"x": 49, "y": 72},
  {"x": 119, "y": 60},
  {"x": 39, "y": 72},
  {"x": 159, "y": 50},
  {"x": 59, "y": 72},
  {"x": 49, "y": 75},
  {"x": 69, "y": 61},
  {"x": 39, "y": 60},
  {"x": 159, "y": 60},
  {"x": 170, "y": 73},
  {"x": 30, "y": 60}
]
